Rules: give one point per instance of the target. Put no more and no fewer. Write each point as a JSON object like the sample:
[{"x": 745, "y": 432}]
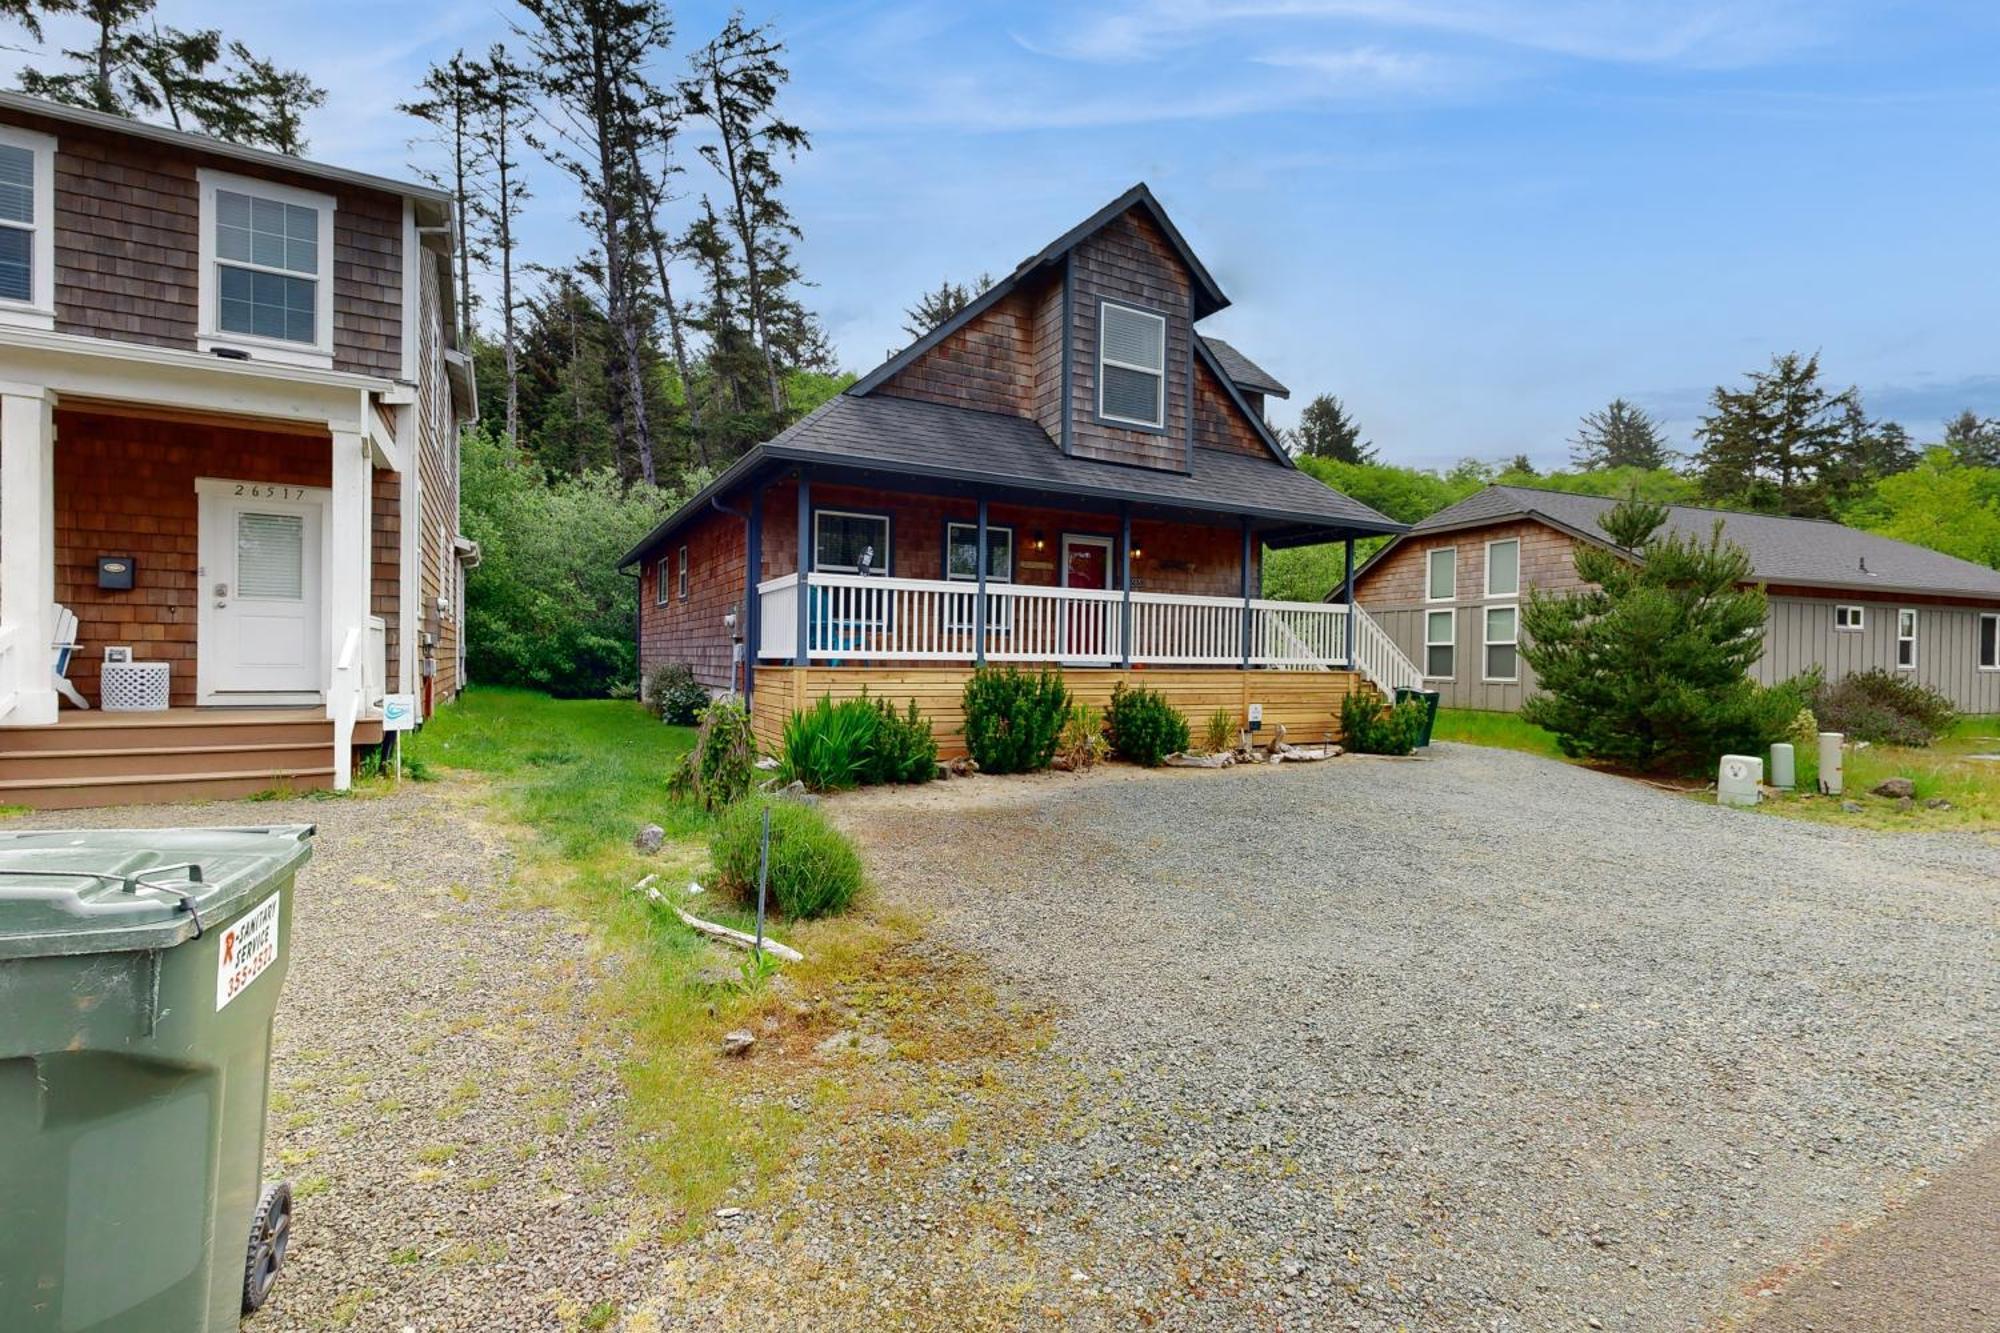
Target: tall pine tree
[
  {"x": 1327, "y": 430},
  {"x": 1780, "y": 445},
  {"x": 1619, "y": 435}
]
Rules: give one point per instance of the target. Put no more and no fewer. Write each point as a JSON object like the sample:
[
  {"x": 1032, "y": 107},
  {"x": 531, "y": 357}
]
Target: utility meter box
[{"x": 1738, "y": 779}]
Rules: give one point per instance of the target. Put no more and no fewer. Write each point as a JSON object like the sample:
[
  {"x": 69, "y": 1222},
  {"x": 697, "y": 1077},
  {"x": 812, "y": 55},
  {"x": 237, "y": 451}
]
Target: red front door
[
  {"x": 1089, "y": 628},
  {"x": 1087, "y": 565}
]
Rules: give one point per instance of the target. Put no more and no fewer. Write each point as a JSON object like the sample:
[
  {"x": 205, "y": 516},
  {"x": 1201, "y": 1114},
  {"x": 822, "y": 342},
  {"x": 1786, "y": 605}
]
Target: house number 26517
[{"x": 255, "y": 492}]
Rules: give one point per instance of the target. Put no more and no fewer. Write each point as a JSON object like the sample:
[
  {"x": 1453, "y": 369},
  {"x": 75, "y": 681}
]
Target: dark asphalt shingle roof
[
  {"x": 1782, "y": 550},
  {"x": 1242, "y": 371},
  {"x": 931, "y": 440}
]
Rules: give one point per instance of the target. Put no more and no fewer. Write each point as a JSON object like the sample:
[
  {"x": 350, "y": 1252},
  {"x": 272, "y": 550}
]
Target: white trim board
[{"x": 39, "y": 310}]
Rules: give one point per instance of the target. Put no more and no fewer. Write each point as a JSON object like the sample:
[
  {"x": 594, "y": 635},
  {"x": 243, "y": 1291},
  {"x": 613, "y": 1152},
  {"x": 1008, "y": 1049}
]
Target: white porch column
[
  {"x": 347, "y": 592},
  {"x": 27, "y": 550}
]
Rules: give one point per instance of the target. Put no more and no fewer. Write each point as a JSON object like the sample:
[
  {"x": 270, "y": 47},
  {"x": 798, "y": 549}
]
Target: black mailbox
[{"x": 115, "y": 571}]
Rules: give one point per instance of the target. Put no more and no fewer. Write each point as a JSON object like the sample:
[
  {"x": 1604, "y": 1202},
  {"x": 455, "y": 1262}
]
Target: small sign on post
[
  {"x": 399, "y": 714},
  {"x": 1256, "y": 717}
]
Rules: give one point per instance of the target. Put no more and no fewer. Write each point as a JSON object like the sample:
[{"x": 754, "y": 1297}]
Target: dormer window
[
  {"x": 27, "y": 229},
  {"x": 266, "y": 270},
  {"x": 1131, "y": 366}
]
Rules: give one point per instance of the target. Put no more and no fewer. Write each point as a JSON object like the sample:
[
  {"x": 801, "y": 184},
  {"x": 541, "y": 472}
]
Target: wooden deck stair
[{"x": 184, "y": 754}]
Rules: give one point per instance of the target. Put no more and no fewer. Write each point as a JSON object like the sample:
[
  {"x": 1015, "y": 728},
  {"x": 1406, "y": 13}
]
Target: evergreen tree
[
  {"x": 1974, "y": 441},
  {"x": 1873, "y": 450},
  {"x": 934, "y": 308},
  {"x": 452, "y": 90},
  {"x": 653, "y": 135},
  {"x": 1326, "y": 430},
  {"x": 1619, "y": 435},
  {"x": 500, "y": 116},
  {"x": 1520, "y": 465},
  {"x": 734, "y": 86},
  {"x": 1648, "y": 666},
  {"x": 1779, "y": 446}
]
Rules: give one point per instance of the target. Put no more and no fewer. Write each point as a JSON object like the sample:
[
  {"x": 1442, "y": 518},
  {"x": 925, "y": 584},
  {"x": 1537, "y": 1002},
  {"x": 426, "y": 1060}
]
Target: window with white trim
[
  {"x": 266, "y": 269},
  {"x": 961, "y": 552},
  {"x": 1853, "y": 618},
  {"x": 1989, "y": 642},
  {"x": 1503, "y": 568},
  {"x": 682, "y": 587},
  {"x": 1906, "y": 639},
  {"x": 1502, "y": 643},
  {"x": 1131, "y": 366},
  {"x": 849, "y": 543},
  {"x": 662, "y": 571},
  {"x": 1440, "y": 631},
  {"x": 27, "y": 229},
  {"x": 1441, "y": 574}
]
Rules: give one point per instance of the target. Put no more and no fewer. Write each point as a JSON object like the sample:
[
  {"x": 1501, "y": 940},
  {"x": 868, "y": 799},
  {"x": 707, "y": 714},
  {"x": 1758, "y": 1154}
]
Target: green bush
[
  {"x": 814, "y": 871},
  {"x": 1143, "y": 727},
  {"x": 674, "y": 695},
  {"x": 1882, "y": 709},
  {"x": 1014, "y": 718},
  {"x": 829, "y": 746},
  {"x": 904, "y": 749},
  {"x": 1221, "y": 732},
  {"x": 1081, "y": 742},
  {"x": 717, "y": 771},
  {"x": 1367, "y": 726}
]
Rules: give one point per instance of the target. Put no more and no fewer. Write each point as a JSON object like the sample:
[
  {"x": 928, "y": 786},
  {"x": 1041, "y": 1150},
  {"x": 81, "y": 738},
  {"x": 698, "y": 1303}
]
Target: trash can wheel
[{"x": 270, "y": 1233}]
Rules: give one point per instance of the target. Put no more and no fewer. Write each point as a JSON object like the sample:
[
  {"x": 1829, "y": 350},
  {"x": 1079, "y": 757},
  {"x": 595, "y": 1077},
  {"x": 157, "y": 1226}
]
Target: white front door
[{"x": 262, "y": 623}]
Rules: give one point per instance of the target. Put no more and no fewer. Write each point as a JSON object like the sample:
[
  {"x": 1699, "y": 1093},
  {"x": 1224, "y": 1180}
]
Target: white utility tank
[
  {"x": 1829, "y": 762},
  {"x": 1784, "y": 772},
  {"x": 1738, "y": 778}
]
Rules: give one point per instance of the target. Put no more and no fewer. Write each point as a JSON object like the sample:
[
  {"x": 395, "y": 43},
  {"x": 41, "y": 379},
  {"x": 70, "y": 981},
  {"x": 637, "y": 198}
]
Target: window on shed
[
  {"x": 1503, "y": 568},
  {"x": 662, "y": 570},
  {"x": 1441, "y": 574},
  {"x": 1131, "y": 365},
  {"x": 683, "y": 587},
  {"x": 1849, "y": 618},
  {"x": 1906, "y": 639},
  {"x": 1989, "y": 643},
  {"x": 1503, "y": 652},
  {"x": 849, "y": 543},
  {"x": 1439, "y": 630}
]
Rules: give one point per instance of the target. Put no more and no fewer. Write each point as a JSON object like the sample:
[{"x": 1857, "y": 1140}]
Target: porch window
[
  {"x": 1850, "y": 618},
  {"x": 682, "y": 587},
  {"x": 961, "y": 552},
  {"x": 1906, "y": 639},
  {"x": 27, "y": 228},
  {"x": 849, "y": 543},
  {"x": 1440, "y": 629},
  {"x": 1989, "y": 643},
  {"x": 662, "y": 569},
  {"x": 266, "y": 268},
  {"x": 1131, "y": 366},
  {"x": 1503, "y": 568},
  {"x": 1503, "y": 652},
  {"x": 1441, "y": 574}
]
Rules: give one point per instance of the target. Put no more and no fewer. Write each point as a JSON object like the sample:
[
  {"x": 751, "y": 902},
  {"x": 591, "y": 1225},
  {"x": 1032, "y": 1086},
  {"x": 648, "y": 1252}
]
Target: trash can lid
[{"x": 80, "y": 891}]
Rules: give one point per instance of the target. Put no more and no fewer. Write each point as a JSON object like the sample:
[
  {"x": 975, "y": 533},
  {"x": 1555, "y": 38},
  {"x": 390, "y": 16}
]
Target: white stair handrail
[{"x": 1378, "y": 658}]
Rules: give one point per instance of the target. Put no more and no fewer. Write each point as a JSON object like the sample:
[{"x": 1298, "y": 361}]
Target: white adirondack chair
[{"x": 65, "y": 647}]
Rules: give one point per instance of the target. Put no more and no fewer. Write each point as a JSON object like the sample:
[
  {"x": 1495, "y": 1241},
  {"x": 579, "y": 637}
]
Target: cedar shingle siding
[
  {"x": 1130, "y": 263},
  {"x": 127, "y": 245}
]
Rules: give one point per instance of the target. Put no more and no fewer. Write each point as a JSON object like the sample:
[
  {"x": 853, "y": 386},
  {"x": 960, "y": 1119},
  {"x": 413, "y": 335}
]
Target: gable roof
[
  {"x": 912, "y": 437},
  {"x": 1208, "y": 297},
  {"x": 1241, "y": 371},
  {"x": 1807, "y": 552}
]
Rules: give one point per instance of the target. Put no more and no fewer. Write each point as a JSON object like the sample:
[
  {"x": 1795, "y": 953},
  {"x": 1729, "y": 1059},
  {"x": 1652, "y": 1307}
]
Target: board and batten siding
[{"x": 1800, "y": 635}]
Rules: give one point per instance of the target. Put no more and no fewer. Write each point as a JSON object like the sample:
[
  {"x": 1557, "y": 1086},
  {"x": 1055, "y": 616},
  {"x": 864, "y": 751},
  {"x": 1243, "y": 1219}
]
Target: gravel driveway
[
  {"x": 1476, "y": 1042},
  {"x": 442, "y": 1099}
]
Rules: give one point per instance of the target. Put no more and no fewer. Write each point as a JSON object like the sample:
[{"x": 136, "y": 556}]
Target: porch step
[
  {"x": 175, "y": 731},
  {"x": 159, "y": 788},
  {"x": 59, "y": 765}
]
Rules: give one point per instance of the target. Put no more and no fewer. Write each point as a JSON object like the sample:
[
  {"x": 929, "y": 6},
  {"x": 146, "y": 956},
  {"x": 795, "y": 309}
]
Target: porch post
[
  {"x": 1247, "y": 613},
  {"x": 28, "y": 555},
  {"x": 800, "y": 656},
  {"x": 1347, "y": 595},
  {"x": 753, "y": 574},
  {"x": 347, "y": 592},
  {"x": 979, "y": 598},
  {"x": 1125, "y": 583}
]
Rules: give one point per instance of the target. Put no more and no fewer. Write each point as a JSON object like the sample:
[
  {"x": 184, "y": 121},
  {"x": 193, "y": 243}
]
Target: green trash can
[
  {"x": 1429, "y": 699},
  {"x": 139, "y": 974}
]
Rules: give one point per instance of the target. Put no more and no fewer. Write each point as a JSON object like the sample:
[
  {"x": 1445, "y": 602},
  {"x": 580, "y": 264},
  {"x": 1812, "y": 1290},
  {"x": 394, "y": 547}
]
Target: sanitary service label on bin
[{"x": 248, "y": 947}]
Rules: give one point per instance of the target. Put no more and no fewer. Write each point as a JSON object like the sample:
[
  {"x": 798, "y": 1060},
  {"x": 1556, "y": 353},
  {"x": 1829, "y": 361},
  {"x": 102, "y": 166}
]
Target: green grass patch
[
  {"x": 1506, "y": 731},
  {"x": 1943, "y": 770}
]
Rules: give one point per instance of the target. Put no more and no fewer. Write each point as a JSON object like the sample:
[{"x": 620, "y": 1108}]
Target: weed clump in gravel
[{"x": 814, "y": 871}]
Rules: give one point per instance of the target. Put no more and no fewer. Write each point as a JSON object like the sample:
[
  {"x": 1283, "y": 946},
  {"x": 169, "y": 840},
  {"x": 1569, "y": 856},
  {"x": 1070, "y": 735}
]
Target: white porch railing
[
  {"x": 10, "y": 645},
  {"x": 863, "y": 618}
]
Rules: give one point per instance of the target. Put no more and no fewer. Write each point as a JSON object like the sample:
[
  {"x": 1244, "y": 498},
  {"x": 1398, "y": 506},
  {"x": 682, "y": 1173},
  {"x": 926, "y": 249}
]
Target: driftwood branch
[{"x": 735, "y": 938}]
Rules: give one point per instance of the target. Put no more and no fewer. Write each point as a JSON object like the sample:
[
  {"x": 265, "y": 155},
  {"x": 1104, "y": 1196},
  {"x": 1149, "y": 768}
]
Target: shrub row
[
  {"x": 1018, "y": 721},
  {"x": 855, "y": 743}
]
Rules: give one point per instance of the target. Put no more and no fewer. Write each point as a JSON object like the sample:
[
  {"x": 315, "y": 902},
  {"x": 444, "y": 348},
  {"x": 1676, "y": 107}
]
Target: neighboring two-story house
[
  {"x": 1067, "y": 472},
  {"x": 229, "y": 411},
  {"x": 1450, "y": 590}
]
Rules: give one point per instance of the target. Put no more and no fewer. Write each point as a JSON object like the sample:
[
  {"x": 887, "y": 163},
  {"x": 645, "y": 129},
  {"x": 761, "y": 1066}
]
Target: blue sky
[{"x": 1474, "y": 220}]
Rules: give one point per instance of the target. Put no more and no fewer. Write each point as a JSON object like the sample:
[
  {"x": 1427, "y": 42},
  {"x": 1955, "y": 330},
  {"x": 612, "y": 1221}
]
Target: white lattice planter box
[{"x": 135, "y": 687}]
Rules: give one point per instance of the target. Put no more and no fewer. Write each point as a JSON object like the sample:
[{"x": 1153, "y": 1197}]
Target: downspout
[
  {"x": 638, "y": 577},
  {"x": 749, "y": 598}
]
